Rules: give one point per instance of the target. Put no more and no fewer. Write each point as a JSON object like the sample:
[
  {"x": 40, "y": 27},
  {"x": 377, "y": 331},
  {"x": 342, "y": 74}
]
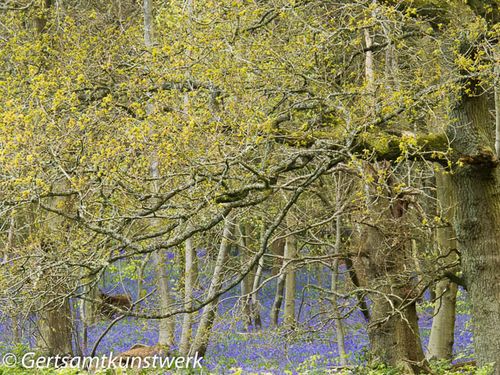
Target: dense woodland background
[{"x": 278, "y": 185}]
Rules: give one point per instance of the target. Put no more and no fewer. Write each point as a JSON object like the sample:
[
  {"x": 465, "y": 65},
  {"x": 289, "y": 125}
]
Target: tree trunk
[
  {"x": 167, "y": 325},
  {"x": 477, "y": 222},
  {"x": 140, "y": 276},
  {"x": 148, "y": 23},
  {"x": 246, "y": 283},
  {"x": 394, "y": 336},
  {"x": 289, "y": 311},
  {"x": 278, "y": 299},
  {"x": 255, "y": 305},
  {"x": 279, "y": 249},
  {"x": 339, "y": 323},
  {"x": 393, "y": 329},
  {"x": 56, "y": 320},
  {"x": 88, "y": 311},
  {"x": 443, "y": 324},
  {"x": 200, "y": 341},
  {"x": 188, "y": 295},
  {"x": 55, "y": 330},
  {"x": 385, "y": 257},
  {"x": 496, "y": 55}
]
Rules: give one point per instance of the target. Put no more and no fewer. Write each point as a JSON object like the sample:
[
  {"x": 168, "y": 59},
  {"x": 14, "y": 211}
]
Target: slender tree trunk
[
  {"x": 200, "y": 341},
  {"x": 443, "y": 324},
  {"x": 277, "y": 250},
  {"x": 255, "y": 305},
  {"x": 85, "y": 328},
  {"x": 247, "y": 282},
  {"x": 290, "y": 287},
  {"x": 55, "y": 322},
  {"x": 167, "y": 325},
  {"x": 369, "y": 68},
  {"x": 140, "y": 275},
  {"x": 339, "y": 324},
  {"x": 278, "y": 299},
  {"x": 148, "y": 23},
  {"x": 280, "y": 283},
  {"x": 88, "y": 311},
  {"x": 16, "y": 331},
  {"x": 188, "y": 295},
  {"x": 76, "y": 333}
]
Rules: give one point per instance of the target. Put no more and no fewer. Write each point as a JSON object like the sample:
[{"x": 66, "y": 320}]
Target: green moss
[{"x": 386, "y": 146}]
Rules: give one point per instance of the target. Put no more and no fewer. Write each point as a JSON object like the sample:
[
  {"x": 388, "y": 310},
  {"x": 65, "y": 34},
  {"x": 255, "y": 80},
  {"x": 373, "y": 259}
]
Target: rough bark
[
  {"x": 496, "y": 56},
  {"x": 393, "y": 328},
  {"x": 477, "y": 222},
  {"x": 55, "y": 322},
  {"x": 277, "y": 250},
  {"x": 386, "y": 262}
]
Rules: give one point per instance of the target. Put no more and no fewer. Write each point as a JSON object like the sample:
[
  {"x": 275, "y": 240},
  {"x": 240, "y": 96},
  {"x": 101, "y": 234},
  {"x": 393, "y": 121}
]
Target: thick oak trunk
[{"x": 477, "y": 222}]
